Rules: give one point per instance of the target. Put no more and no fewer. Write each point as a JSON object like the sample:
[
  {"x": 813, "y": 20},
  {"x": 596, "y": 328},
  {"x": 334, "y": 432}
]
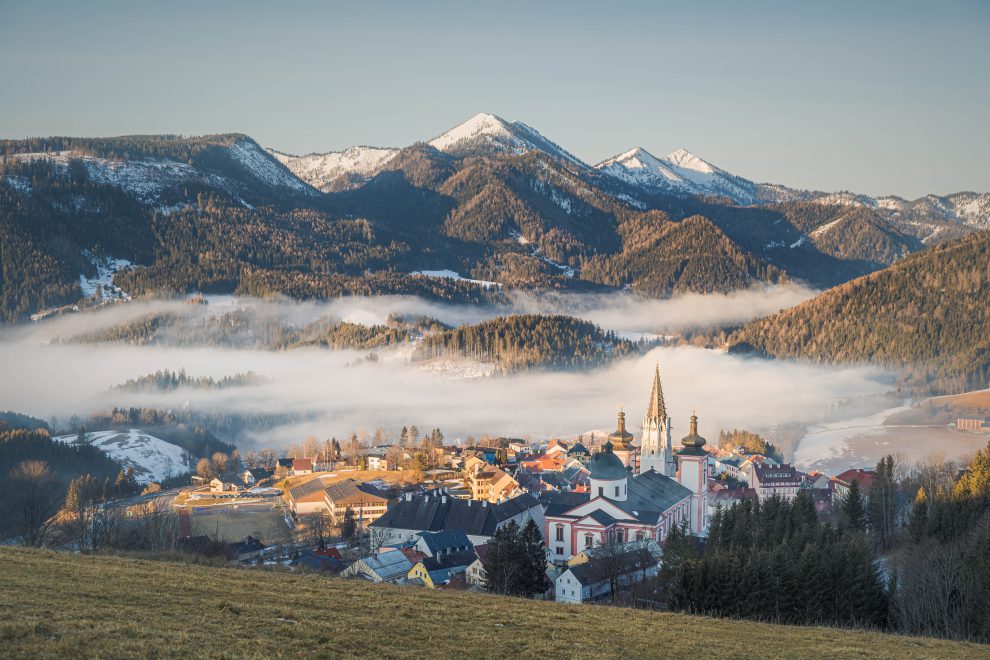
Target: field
[
  {"x": 262, "y": 521},
  {"x": 62, "y": 605},
  {"x": 946, "y": 409}
]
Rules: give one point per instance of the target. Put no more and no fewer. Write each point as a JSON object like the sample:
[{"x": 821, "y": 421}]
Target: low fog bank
[
  {"x": 336, "y": 393},
  {"x": 621, "y": 312},
  {"x": 727, "y": 391}
]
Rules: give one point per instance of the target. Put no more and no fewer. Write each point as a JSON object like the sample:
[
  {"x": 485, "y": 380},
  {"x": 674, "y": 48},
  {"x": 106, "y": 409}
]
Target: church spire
[{"x": 656, "y": 410}]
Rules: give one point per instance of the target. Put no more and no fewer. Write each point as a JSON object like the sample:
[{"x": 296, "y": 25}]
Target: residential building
[
  {"x": 843, "y": 482},
  {"x": 590, "y": 577},
  {"x": 436, "y": 511},
  {"x": 366, "y": 501},
  {"x": 439, "y": 569},
  {"x": 780, "y": 480},
  {"x": 580, "y": 453},
  {"x": 488, "y": 482},
  {"x": 302, "y": 466},
  {"x": 218, "y": 485},
  {"x": 386, "y": 566},
  {"x": 475, "y": 575},
  {"x": 308, "y": 497},
  {"x": 252, "y": 476},
  {"x": 437, "y": 544}
]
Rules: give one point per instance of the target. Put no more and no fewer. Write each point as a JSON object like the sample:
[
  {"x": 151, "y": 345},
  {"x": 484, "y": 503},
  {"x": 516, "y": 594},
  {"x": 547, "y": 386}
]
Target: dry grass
[{"x": 73, "y": 606}]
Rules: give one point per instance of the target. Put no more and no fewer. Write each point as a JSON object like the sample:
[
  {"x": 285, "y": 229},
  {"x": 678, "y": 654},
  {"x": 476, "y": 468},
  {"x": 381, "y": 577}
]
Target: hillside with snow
[
  {"x": 335, "y": 170},
  {"x": 153, "y": 459}
]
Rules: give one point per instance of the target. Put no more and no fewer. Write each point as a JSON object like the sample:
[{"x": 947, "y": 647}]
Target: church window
[
  {"x": 618, "y": 536},
  {"x": 601, "y": 491},
  {"x": 617, "y": 491},
  {"x": 640, "y": 535},
  {"x": 589, "y": 540},
  {"x": 560, "y": 532}
]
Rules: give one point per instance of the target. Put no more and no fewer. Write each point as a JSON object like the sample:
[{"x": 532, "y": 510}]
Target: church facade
[{"x": 635, "y": 493}]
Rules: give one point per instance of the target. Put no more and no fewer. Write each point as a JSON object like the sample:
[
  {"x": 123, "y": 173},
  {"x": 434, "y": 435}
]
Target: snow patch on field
[
  {"x": 153, "y": 459},
  {"x": 831, "y": 440},
  {"x": 453, "y": 275}
]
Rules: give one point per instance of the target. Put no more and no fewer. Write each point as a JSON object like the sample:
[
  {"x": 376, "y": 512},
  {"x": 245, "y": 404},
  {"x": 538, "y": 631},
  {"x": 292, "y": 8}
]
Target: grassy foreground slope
[{"x": 70, "y": 606}]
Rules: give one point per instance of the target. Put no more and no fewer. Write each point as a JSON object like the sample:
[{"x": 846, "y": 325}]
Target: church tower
[{"x": 655, "y": 448}]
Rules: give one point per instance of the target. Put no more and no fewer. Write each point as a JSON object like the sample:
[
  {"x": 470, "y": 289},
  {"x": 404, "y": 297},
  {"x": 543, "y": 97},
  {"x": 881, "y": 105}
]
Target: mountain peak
[
  {"x": 481, "y": 125},
  {"x": 487, "y": 132},
  {"x": 684, "y": 158}
]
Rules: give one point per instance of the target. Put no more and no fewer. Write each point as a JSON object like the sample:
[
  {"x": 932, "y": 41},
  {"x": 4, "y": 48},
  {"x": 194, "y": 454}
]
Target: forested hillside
[
  {"x": 927, "y": 315},
  {"x": 528, "y": 341},
  {"x": 218, "y": 214}
]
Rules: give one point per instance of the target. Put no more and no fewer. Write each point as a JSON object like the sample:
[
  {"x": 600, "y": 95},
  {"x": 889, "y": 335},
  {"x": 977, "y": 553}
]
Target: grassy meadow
[{"x": 57, "y": 604}]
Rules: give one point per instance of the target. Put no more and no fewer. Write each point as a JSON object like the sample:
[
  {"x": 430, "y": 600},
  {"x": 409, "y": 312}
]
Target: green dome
[{"x": 606, "y": 466}]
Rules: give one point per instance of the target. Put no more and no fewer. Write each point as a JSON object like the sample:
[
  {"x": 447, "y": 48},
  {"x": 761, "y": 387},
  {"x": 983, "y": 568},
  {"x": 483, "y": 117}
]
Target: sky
[{"x": 877, "y": 97}]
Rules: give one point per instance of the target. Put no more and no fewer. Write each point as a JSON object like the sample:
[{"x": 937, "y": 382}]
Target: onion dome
[
  {"x": 606, "y": 466},
  {"x": 692, "y": 442},
  {"x": 621, "y": 439}
]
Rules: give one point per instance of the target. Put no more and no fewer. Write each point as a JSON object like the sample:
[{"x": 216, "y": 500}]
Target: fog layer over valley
[{"x": 335, "y": 392}]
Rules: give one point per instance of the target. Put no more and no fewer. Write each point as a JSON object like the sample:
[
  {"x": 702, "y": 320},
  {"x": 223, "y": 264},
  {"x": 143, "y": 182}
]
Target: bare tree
[
  {"x": 266, "y": 458},
  {"x": 29, "y": 501},
  {"x": 251, "y": 459},
  {"x": 317, "y": 529}
]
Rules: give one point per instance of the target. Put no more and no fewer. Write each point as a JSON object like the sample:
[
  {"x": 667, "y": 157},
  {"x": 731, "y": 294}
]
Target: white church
[{"x": 636, "y": 493}]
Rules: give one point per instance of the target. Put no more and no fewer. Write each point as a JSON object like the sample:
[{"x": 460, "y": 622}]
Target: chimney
[
  {"x": 443, "y": 499},
  {"x": 409, "y": 497},
  {"x": 469, "y": 502},
  {"x": 484, "y": 503}
]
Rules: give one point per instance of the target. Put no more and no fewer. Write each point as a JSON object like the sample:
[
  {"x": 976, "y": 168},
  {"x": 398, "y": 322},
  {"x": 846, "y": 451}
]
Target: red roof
[
  {"x": 864, "y": 477},
  {"x": 302, "y": 464},
  {"x": 329, "y": 552}
]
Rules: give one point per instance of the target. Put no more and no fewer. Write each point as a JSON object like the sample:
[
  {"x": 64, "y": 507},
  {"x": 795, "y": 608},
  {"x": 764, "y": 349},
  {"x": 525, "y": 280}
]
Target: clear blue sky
[{"x": 867, "y": 96}]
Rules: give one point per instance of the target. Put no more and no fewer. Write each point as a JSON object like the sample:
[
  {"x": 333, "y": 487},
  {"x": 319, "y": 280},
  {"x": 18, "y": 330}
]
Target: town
[{"x": 579, "y": 521}]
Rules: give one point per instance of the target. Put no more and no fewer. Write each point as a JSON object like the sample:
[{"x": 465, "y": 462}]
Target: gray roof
[
  {"x": 648, "y": 496},
  {"x": 388, "y": 564},
  {"x": 432, "y": 513},
  {"x": 308, "y": 488},
  {"x": 445, "y": 539}
]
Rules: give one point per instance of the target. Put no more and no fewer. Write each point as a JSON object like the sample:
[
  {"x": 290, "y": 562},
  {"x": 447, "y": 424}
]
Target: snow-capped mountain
[
  {"x": 153, "y": 459},
  {"x": 330, "y": 171},
  {"x": 681, "y": 172},
  {"x": 486, "y": 132},
  {"x": 237, "y": 166}
]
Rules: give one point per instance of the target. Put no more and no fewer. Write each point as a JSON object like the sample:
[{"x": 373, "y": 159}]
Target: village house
[
  {"x": 386, "y": 566},
  {"x": 474, "y": 575},
  {"x": 780, "y": 480},
  {"x": 580, "y": 453},
  {"x": 366, "y": 501},
  {"x": 588, "y": 576},
  {"x": 441, "y": 568},
  {"x": 253, "y": 476},
  {"x": 218, "y": 485},
  {"x": 488, "y": 482},
  {"x": 308, "y": 497},
  {"x": 302, "y": 466},
  {"x": 843, "y": 482},
  {"x": 727, "y": 497},
  {"x": 436, "y": 511},
  {"x": 732, "y": 465}
]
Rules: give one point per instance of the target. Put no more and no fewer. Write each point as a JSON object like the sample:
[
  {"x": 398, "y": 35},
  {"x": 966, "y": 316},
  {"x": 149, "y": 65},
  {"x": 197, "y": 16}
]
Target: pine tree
[
  {"x": 348, "y": 526},
  {"x": 853, "y": 510}
]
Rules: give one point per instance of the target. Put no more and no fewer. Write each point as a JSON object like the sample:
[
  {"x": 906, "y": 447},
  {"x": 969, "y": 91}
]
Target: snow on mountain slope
[
  {"x": 264, "y": 167},
  {"x": 680, "y": 172},
  {"x": 147, "y": 178},
  {"x": 153, "y": 459},
  {"x": 487, "y": 132},
  {"x": 323, "y": 171},
  {"x": 103, "y": 284}
]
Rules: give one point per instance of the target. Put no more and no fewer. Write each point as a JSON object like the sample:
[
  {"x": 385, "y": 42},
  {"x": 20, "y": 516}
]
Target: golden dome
[{"x": 621, "y": 439}]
